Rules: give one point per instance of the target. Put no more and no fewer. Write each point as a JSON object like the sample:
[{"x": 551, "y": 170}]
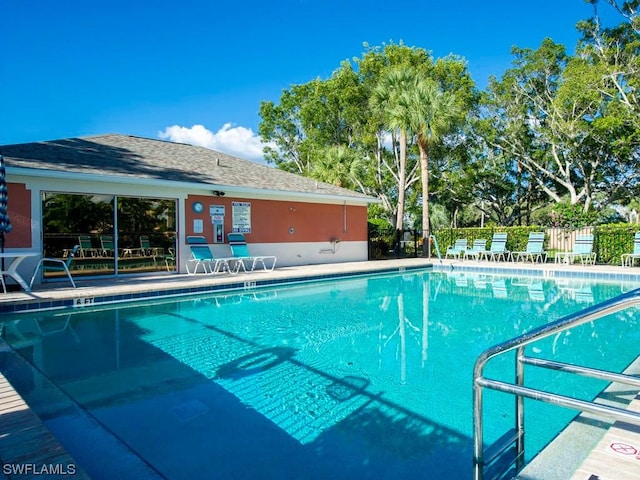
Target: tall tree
[
  {"x": 541, "y": 126},
  {"x": 611, "y": 72},
  {"x": 386, "y": 101},
  {"x": 431, "y": 114},
  {"x": 313, "y": 119}
]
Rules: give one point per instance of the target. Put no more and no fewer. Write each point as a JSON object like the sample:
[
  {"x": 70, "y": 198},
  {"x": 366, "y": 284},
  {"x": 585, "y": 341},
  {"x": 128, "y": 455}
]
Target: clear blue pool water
[{"x": 357, "y": 378}]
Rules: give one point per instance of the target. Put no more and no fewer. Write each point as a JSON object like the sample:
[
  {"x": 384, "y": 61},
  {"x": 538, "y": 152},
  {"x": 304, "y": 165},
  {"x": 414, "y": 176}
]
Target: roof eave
[{"x": 101, "y": 178}]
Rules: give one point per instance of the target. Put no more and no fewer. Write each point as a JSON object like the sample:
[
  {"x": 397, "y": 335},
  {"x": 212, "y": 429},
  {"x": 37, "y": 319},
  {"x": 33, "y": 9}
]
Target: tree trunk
[
  {"x": 424, "y": 175},
  {"x": 402, "y": 181}
]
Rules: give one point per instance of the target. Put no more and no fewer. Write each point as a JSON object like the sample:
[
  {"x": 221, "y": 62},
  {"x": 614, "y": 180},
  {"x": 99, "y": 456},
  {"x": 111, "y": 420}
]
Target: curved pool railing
[{"x": 507, "y": 453}]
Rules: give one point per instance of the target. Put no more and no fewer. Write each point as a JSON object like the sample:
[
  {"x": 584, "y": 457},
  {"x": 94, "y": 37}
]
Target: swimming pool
[{"x": 358, "y": 378}]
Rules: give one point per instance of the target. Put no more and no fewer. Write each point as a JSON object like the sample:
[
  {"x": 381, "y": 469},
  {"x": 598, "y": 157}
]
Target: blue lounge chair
[
  {"x": 240, "y": 250},
  {"x": 582, "y": 249},
  {"x": 56, "y": 265},
  {"x": 479, "y": 246},
  {"x": 534, "y": 251},
  {"x": 201, "y": 255},
  {"x": 498, "y": 248},
  {"x": 457, "y": 250},
  {"x": 629, "y": 258}
]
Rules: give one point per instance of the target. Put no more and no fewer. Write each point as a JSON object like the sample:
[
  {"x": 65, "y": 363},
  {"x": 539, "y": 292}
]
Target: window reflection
[{"x": 114, "y": 233}]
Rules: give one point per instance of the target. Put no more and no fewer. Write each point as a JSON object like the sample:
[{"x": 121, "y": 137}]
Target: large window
[{"x": 114, "y": 233}]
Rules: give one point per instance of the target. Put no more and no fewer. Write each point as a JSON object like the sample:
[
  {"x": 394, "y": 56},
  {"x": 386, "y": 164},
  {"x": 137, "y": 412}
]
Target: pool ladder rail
[
  {"x": 505, "y": 458},
  {"x": 435, "y": 244}
]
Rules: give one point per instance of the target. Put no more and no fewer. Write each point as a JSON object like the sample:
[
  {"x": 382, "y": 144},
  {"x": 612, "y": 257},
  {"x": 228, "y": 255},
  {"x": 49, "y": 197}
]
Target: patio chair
[
  {"x": 458, "y": 248},
  {"x": 56, "y": 265},
  {"x": 629, "y": 258},
  {"x": 582, "y": 249},
  {"x": 107, "y": 246},
  {"x": 498, "y": 248},
  {"x": 86, "y": 248},
  {"x": 479, "y": 246},
  {"x": 201, "y": 255},
  {"x": 157, "y": 253},
  {"x": 534, "y": 251},
  {"x": 240, "y": 250},
  {"x": 170, "y": 259},
  {"x": 147, "y": 250}
]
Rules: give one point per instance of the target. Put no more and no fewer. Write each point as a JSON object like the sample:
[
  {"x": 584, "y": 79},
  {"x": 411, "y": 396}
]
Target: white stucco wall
[{"x": 290, "y": 254}]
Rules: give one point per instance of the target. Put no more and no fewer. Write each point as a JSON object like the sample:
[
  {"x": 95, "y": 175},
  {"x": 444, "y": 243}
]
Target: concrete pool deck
[
  {"x": 128, "y": 288},
  {"x": 28, "y": 449},
  {"x": 123, "y": 288}
]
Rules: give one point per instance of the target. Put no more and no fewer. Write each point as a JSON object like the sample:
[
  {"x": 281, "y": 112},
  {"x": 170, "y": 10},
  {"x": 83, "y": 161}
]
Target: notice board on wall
[{"x": 241, "y": 217}]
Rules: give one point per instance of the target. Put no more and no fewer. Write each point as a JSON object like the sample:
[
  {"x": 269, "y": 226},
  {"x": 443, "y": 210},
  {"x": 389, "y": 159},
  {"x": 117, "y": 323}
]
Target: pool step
[{"x": 501, "y": 457}]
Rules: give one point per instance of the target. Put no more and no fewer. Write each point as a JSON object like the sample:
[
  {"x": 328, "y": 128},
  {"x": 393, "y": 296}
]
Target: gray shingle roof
[{"x": 135, "y": 157}]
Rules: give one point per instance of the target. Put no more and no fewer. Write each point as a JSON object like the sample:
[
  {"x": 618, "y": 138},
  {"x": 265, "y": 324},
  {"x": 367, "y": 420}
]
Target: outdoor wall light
[{"x": 218, "y": 193}]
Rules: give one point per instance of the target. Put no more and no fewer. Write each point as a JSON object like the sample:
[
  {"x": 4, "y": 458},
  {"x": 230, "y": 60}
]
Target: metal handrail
[
  {"x": 435, "y": 244},
  {"x": 519, "y": 343}
]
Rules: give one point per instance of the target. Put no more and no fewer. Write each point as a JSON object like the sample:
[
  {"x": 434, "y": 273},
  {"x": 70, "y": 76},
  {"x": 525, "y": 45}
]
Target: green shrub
[
  {"x": 610, "y": 241},
  {"x": 516, "y": 236}
]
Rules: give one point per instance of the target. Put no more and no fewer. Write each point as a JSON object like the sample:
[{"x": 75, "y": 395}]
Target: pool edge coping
[{"x": 121, "y": 291}]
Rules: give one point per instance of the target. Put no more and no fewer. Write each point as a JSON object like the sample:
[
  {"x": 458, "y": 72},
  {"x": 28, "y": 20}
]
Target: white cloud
[{"x": 233, "y": 140}]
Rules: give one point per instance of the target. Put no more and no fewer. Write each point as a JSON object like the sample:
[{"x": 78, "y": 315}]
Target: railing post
[
  {"x": 478, "y": 449},
  {"x": 519, "y": 410}
]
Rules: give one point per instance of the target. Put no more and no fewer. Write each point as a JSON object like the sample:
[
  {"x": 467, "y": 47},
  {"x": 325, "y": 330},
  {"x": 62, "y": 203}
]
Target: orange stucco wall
[
  {"x": 271, "y": 220},
  {"x": 19, "y": 208}
]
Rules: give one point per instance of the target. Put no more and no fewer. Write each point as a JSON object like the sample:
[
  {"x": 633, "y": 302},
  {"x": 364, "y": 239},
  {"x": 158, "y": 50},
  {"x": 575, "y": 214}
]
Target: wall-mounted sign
[
  {"x": 241, "y": 217},
  {"x": 216, "y": 210}
]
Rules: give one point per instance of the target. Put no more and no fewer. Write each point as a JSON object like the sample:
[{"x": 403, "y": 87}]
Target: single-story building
[{"x": 131, "y": 202}]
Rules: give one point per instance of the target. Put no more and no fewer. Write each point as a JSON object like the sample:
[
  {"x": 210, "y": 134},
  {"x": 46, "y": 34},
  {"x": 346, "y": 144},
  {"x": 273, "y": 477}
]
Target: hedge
[{"x": 610, "y": 241}]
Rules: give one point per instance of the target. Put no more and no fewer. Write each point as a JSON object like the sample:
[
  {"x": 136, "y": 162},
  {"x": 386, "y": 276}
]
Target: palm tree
[
  {"x": 432, "y": 114},
  {"x": 386, "y": 100},
  {"x": 336, "y": 165}
]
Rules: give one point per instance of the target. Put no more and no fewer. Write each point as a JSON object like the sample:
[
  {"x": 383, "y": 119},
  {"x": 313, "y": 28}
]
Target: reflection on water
[{"x": 361, "y": 378}]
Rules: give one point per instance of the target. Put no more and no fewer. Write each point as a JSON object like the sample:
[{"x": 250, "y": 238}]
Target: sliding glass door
[
  {"x": 115, "y": 234},
  {"x": 146, "y": 234}
]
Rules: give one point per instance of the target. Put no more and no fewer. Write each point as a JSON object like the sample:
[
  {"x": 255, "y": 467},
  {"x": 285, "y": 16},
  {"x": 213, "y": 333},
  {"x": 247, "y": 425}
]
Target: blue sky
[{"x": 197, "y": 70}]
